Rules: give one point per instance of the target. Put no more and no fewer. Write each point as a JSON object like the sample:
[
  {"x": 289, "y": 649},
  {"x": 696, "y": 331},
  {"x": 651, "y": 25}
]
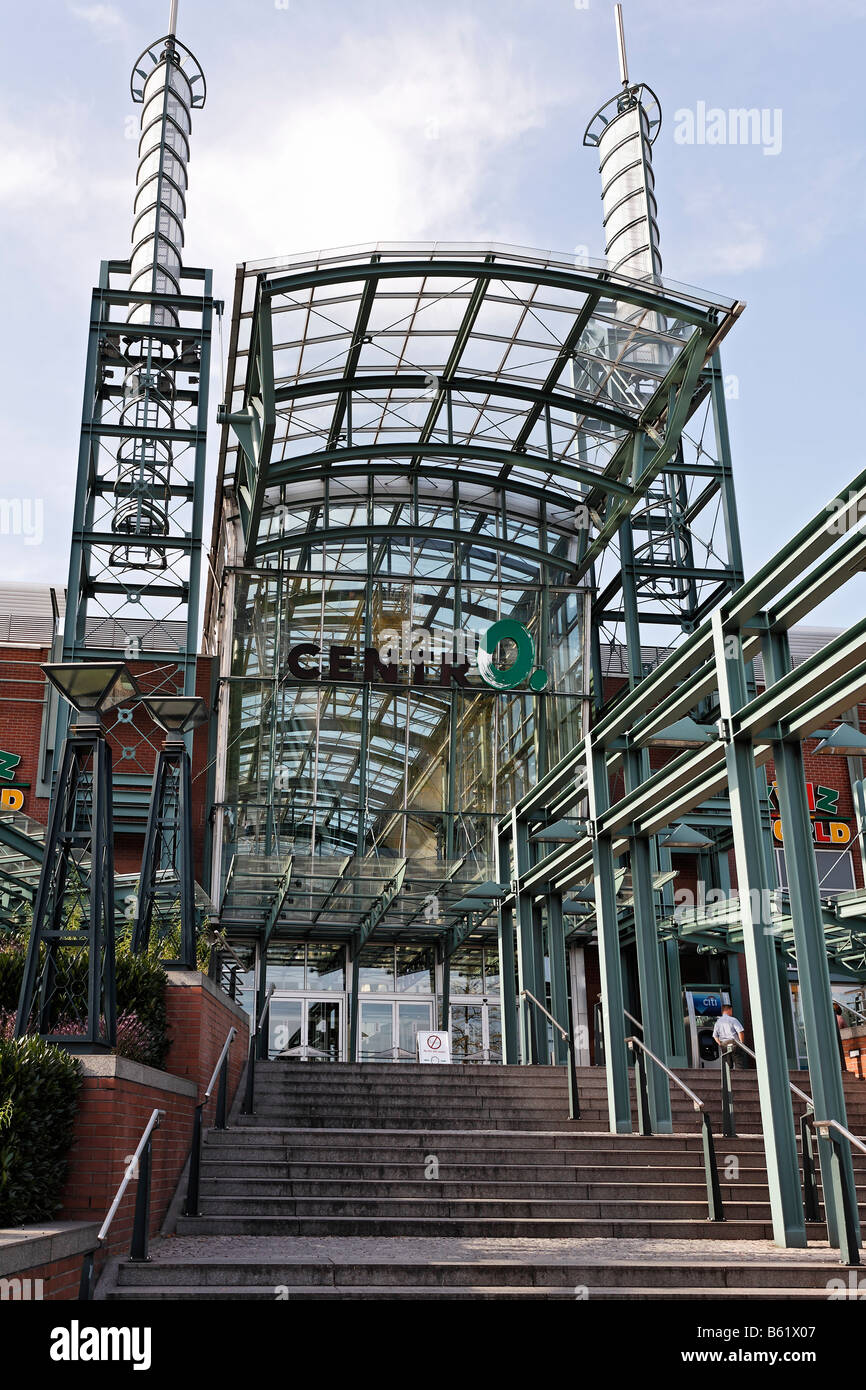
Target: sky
[{"x": 335, "y": 122}]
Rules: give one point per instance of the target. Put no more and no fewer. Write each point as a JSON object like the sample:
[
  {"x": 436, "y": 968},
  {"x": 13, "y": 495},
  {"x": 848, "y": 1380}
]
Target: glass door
[
  {"x": 388, "y": 1028},
  {"x": 476, "y": 1031},
  {"x": 306, "y": 1030}
]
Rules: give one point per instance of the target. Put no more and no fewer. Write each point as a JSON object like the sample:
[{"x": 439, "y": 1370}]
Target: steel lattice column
[
  {"x": 73, "y": 914},
  {"x": 168, "y": 850}
]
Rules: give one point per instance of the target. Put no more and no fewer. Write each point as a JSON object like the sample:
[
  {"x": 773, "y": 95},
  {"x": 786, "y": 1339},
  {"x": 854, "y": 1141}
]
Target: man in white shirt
[{"x": 728, "y": 1030}]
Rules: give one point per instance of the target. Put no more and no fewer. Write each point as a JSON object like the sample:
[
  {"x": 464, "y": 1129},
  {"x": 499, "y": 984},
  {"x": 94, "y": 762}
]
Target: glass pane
[
  {"x": 285, "y": 1030},
  {"x": 376, "y": 970},
  {"x": 467, "y": 1041},
  {"x": 467, "y": 974},
  {"x": 491, "y": 970},
  {"x": 377, "y": 1031},
  {"x": 410, "y": 1018},
  {"x": 494, "y": 1025},
  {"x": 323, "y": 1030},
  {"x": 326, "y": 967},
  {"x": 286, "y": 966},
  {"x": 415, "y": 970}
]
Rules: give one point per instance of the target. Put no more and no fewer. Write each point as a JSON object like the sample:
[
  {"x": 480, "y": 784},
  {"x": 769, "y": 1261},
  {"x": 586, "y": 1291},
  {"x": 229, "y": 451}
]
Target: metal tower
[
  {"x": 679, "y": 551},
  {"x": 137, "y": 529}
]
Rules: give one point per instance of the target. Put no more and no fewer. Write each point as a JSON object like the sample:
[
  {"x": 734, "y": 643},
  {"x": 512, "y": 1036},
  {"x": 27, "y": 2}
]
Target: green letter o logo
[{"x": 509, "y": 630}]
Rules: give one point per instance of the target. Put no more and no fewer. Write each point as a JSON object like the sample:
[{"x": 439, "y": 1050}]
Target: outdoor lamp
[
  {"x": 176, "y": 714},
  {"x": 845, "y": 741},
  {"x": 685, "y": 733},
  {"x": 92, "y": 687},
  {"x": 683, "y": 836}
]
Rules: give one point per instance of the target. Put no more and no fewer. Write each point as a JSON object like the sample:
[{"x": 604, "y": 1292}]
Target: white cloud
[
  {"x": 106, "y": 23},
  {"x": 393, "y": 140}
]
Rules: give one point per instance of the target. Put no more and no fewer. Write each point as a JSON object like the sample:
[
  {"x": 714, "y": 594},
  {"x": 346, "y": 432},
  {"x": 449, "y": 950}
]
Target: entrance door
[
  {"x": 476, "y": 1031},
  {"x": 388, "y": 1028},
  {"x": 308, "y": 1030}
]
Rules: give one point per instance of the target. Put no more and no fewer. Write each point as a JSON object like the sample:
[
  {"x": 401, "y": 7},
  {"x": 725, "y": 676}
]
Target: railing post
[
  {"x": 573, "y": 1098},
  {"x": 729, "y": 1129},
  {"x": 811, "y": 1209},
  {"x": 191, "y": 1208},
  {"x": 598, "y": 1023},
  {"x": 715, "y": 1206},
  {"x": 644, "y": 1123},
  {"x": 141, "y": 1223},
  {"x": 85, "y": 1287},
  {"x": 220, "y": 1121},
  {"x": 845, "y": 1196},
  {"x": 249, "y": 1094},
  {"x": 264, "y": 1034}
]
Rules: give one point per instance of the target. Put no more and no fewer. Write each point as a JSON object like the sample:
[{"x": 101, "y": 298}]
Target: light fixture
[
  {"x": 92, "y": 687},
  {"x": 684, "y": 733},
  {"x": 844, "y": 741},
  {"x": 488, "y": 889},
  {"x": 176, "y": 714},
  {"x": 682, "y": 836},
  {"x": 560, "y": 831}
]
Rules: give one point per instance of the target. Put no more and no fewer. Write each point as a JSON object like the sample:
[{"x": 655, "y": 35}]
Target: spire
[{"x": 620, "y": 42}]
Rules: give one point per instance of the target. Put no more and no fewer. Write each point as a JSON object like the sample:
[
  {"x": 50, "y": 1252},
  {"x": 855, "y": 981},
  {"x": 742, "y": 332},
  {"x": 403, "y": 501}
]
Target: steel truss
[
  {"x": 133, "y": 586},
  {"x": 68, "y": 988}
]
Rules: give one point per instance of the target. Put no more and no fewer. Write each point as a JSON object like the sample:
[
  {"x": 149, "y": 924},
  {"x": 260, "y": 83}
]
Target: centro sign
[{"x": 454, "y": 657}]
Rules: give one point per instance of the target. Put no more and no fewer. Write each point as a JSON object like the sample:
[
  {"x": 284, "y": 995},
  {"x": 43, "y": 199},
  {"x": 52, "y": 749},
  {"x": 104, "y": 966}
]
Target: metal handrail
[
  {"x": 573, "y": 1097},
  {"x": 728, "y": 1123},
  {"x": 221, "y": 1070},
  {"x": 715, "y": 1207},
  {"x": 631, "y": 1018},
  {"x": 250, "y": 1092},
  {"x": 138, "y": 1167},
  {"x": 232, "y": 1033},
  {"x": 834, "y": 1124},
  {"x": 849, "y": 1236},
  {"x": 696, "y": 1100},
  {"x": 261, "y": 1017}
]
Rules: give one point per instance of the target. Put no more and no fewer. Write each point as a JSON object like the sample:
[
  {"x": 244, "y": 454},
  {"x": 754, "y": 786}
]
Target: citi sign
[{"x": 432, "y": 658}]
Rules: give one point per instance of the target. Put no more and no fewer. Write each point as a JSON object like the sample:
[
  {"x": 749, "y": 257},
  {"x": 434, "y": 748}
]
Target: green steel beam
[
  {"x": 828, "y": 1095},
  {"x": 777, "y": 1116},
  {"x": 623, "y": 291}
]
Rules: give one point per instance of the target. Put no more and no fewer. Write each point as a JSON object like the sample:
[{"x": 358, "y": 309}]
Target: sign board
[{"x": 434, "y": 1047}]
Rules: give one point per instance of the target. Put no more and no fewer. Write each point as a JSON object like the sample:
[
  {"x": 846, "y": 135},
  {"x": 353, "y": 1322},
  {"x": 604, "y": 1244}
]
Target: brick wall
[
  {"x": 22, "y": 687},
  {"x": 117, "y": 1099},
  {"x": 44, "y": 1263},
  {"x": 199, "y": 1017}
]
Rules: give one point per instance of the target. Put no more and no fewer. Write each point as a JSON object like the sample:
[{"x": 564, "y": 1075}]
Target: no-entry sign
[{"x": 434, "y": 1047}]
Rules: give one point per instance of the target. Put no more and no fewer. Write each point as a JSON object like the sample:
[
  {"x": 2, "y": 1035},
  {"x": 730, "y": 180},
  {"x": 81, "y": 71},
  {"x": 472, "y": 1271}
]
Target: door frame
[{"x": 305, "y": 999}]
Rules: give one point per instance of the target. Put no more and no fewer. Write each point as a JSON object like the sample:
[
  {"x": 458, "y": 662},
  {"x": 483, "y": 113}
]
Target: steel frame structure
[
  {"x": 711, "y": 670},
  {"x": 543, "y": 400},
  {"x": 74, "y": 907}
]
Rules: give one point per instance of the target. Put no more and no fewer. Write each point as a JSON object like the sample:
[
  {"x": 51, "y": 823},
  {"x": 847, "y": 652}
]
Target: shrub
[
  {"x": 39, "y": 1086},
  {"x": 140, "y": 996}
]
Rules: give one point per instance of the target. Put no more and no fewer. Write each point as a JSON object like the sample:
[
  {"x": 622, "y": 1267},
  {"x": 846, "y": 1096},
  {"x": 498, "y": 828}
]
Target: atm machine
[{"x": 704, "y": 1005}]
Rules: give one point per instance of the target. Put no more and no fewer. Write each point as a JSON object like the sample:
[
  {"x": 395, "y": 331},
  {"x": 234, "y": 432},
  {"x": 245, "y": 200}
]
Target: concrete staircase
[{"x": 377, "y": 1162}]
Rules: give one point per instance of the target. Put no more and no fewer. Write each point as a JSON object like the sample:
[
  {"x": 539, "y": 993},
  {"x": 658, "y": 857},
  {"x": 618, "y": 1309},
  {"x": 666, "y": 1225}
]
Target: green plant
[
  {"x": 41, "y": 1084},
  {"x": 140, "y": 993}
]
